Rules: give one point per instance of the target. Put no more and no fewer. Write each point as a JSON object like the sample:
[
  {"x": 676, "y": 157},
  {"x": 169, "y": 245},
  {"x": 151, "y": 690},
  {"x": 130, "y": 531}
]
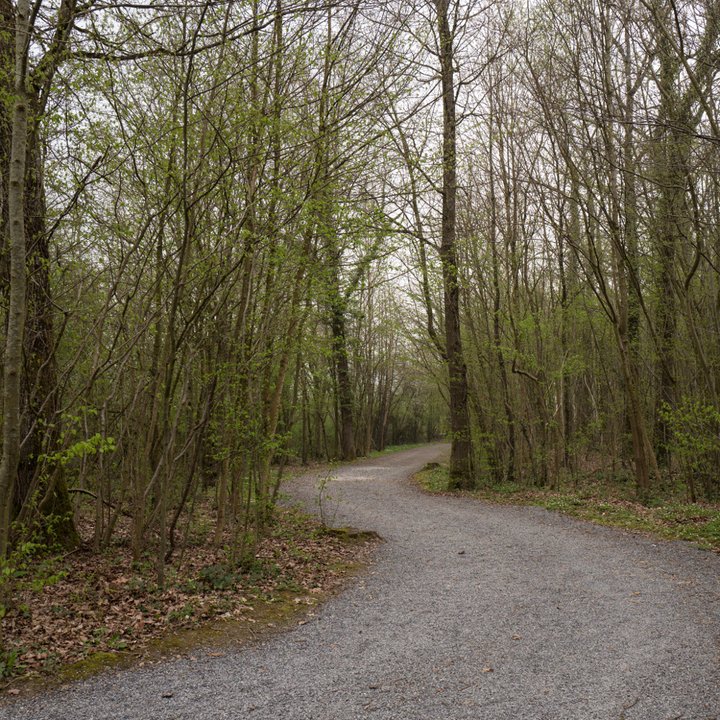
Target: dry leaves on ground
[{"x": 108, "y": 603}]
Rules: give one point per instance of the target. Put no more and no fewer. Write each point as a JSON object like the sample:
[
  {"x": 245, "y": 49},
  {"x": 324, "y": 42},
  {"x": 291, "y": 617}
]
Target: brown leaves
[{"x": 107, "y": 604}]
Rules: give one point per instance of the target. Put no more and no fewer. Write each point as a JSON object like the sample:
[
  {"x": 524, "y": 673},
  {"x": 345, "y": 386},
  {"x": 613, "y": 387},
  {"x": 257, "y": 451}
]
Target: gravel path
[{"x": 470, "y": 611}]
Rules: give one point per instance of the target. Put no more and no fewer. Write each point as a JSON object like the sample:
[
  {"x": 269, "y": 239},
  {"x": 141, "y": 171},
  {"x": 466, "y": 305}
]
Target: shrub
[{"x": 695, "y": 444}]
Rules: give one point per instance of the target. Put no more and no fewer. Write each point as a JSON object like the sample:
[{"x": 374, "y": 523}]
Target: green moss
[
  {"x": 91, "y": 665},
  {"x": 350, "y": 535}
]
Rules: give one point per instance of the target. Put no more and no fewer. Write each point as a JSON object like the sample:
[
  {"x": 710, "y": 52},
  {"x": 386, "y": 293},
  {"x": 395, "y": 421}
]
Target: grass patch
[
  {"x": 670, "y": 520},
  {"x": 393, "y": 449}
]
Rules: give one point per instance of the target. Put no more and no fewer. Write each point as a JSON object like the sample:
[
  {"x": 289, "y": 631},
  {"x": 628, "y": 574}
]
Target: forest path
[{"x": 469, "y": 611}]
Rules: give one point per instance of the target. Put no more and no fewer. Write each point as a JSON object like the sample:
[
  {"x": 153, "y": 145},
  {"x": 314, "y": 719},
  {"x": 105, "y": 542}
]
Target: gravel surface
[{"x": 470, "y": 611}]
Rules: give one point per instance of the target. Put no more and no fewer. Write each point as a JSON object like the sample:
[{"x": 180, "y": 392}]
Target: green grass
[
  {"x": 393, "y": 449},
  {"x": 670, "y": 520}
]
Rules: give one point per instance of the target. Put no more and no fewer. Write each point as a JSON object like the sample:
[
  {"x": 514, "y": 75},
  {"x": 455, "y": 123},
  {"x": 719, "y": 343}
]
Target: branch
[
  {"x": 517, "y": 371},
  {"x": 82, "y": 491}
]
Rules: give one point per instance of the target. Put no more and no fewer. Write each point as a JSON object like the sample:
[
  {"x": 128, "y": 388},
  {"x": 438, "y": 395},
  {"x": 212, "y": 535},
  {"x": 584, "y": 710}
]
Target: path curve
[{"x": 470, "y": 611}]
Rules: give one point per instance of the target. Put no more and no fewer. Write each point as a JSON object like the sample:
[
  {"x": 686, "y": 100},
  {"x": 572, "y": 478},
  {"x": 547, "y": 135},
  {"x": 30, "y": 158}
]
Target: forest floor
[
  {"x": 602, "y": 503},
  {"x": 70, "y": 616},
  {"x": 469, "y": 609}
]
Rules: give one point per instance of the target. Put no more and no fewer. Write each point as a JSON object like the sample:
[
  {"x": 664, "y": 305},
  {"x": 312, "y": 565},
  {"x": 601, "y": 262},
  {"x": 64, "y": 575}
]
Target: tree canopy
[{"x": 242, "y": 234}]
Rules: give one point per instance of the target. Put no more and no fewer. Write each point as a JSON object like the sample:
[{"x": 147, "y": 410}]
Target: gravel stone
[{"x": 469, "y": 611}]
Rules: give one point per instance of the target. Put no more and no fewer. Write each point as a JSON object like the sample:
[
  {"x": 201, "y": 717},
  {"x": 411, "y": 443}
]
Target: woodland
[{"x": 242, "y": 235}]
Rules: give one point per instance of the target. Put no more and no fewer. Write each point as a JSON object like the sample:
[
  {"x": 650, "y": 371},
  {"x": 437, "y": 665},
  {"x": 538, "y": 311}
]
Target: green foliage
[
  {"x": 226, "y": 576},
  {"x": 218, "y": 577},
  {"x": 102, "y": 635},
  {"x": 91, "y": 446},
  {"x": 257, "y": 569},
  {"x": 30, "y": 566},
  {"x": 184, "y": 612},
  {"x": 434, "y": 477},
  {"x": 9, "y": 662},
  {"x": 326, "y": 508},
  {"x": 666, "y": 519},
  {"x": 27, "y": 567},
  {"x": 695, "y": 442}
]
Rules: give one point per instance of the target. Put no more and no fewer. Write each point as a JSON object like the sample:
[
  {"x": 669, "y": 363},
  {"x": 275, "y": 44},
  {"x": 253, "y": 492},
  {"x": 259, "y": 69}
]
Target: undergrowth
[
  {"x": 76, "y": 612},
  {"x": 668, "y": 518}
]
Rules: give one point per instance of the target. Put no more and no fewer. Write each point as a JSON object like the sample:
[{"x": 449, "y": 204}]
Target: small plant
[
  {"x": 21, "y": 570},
  {"x": 217, "y": 577},
  {"x": 9, "y": 662},
  {"x": 190, "y": 586},
  {"x": 324, "y": 499},
  {"x": 289, "y": 586},
  {"x": 184, "y": 613},
  {"x": 264, "y": 571},
  {"x": 434, "y": 477},
  {"x": 116, "y": 642}
]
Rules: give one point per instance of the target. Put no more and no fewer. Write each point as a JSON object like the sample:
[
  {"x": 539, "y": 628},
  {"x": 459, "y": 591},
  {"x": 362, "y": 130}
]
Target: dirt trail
[{"x": 470, "y": 611}]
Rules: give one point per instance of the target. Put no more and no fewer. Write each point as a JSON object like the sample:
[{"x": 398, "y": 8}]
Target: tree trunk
[
  {"x": 33, "y": 494},
  {"x": 507, "y": 456},
  {"x": 461, "y": 471},
  {"x": 17, "y": 301},
  {"x": 6, "y": 65},
  {"x": 344, "y": 382},
  {"x": 41, "y": 424}
]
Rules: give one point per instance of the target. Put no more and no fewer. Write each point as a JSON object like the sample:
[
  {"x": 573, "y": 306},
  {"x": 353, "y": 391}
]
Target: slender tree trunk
[
  {"x": 41, "y": 426},
  {"x": 7, "y": 54},
  {"x": 673, "y": 149},
  {"x": 344, "y": 384},
  {"x": 37, "y": 493},
  {"x": 508, "y": 473},
  {"x": 17, "y": 301}
]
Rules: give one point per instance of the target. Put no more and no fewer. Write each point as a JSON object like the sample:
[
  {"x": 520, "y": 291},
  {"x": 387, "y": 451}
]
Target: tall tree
[
  {"x": 461, "y": 466},
  {"x": 12, "y": 361}
]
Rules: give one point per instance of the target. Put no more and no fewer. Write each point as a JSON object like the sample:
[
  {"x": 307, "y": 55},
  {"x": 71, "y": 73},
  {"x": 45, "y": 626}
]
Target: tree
[
  {"x": 461, "y": 471},
  {"x": 12, "y": 361}
]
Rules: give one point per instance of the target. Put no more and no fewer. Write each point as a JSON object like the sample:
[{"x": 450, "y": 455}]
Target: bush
[
  {"x": 217, "y": 577},
  {"x": 695, "y": 444}
]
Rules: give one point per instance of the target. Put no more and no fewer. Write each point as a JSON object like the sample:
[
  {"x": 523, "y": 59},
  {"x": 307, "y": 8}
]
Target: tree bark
[
  {"x": 344, "y": 382},
  {"x": 6, "y": 64},
  {"x": 461, "y": 470},
  {"x": 17, "y": 300}
]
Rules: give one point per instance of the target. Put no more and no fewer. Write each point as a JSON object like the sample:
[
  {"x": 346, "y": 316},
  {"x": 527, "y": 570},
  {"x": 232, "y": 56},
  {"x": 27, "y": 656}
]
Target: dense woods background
[{"x": 237, "y": 234}]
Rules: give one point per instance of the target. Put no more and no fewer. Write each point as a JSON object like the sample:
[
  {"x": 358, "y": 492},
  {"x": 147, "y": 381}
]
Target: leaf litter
[{"x": 100, "y": 604}]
